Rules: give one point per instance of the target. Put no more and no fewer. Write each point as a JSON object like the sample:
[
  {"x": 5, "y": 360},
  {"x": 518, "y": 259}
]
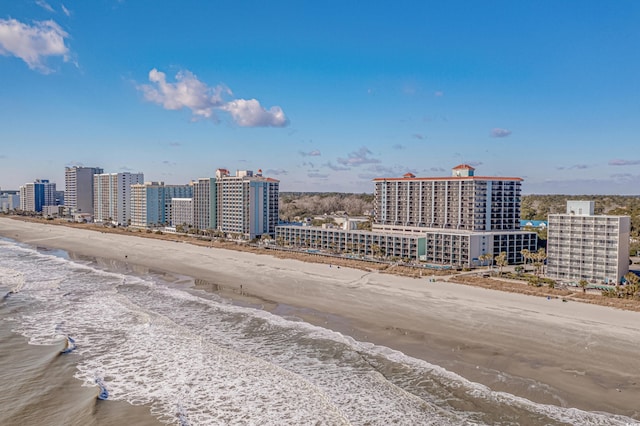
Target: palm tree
[
  {"x": 632, "y": 285},
  {"x": 583, "y": 283},
  {"x": 501, "y": 261},
  {"x": 526, "y": 255}
]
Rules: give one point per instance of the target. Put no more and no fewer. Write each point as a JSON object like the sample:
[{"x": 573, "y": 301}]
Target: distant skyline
[{"x": 323, "y": 96}]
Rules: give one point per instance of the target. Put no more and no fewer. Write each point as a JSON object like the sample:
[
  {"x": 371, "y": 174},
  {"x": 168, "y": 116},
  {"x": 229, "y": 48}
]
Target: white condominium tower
[
  {"x": 460, "y": 202},
  {"x": 584, "y": 246},
  {"x": 112, "y": 196},
  {"x": 79, "y": 188},
  {"x": 151, "y": 202},
  {"x": 246, "y": 204}
]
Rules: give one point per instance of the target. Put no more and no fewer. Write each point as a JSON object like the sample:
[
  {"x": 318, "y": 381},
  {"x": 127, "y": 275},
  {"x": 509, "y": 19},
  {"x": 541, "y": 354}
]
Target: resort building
[
  {"x": 204, "y": 196},
  {"x": 9, "y": 200},
  {"x": 151, "y": 203},
  {"x": 246, "y": 204},
  {"x": 584, "y": 246},
  {"x": 447, "y": 220},
  {"x": 182, "y": 212},
  {"x": 79, "y": 188},
  {"x": 112, "y": 196},
  {"x": 460, "y": 202},
  {"x": 34, "y": 196}
]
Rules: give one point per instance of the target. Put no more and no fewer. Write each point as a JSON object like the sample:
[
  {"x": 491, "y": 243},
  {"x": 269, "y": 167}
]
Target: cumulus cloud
[
  {"x": 437, "y": 169},
  {"x": 358, "y": 158},
  {"x": 249, "y": 113},
  {"x": 314, "y": 153},
  {"x": 33, "y": 43},
  {"x": 500, "y": 133},
  {"x": 621, "y": 162},
  {"x": 203, "y": 101}
]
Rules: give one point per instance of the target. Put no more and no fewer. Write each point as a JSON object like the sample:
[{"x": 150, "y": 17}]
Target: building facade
[
  {"x": 34, "y": 196},
  {"x": 182, "y": 212},
  {"x": 151, "y": 203},
  {"x": 450, "y": 220},
  {"x": 9, "y": 200},
  {"x": 112, "y": 196},
  {"x": 246, "y": 204},
  {"x": 204, "y": 203},
  {"x": 79, "y": 188},
  {"x": 460, "y": 202},
  {"x": 584, "y": 246}
]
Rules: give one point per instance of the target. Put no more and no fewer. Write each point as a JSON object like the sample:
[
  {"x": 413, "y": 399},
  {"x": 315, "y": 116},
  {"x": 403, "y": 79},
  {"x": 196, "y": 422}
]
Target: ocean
[{"x": 92, "y": 342}]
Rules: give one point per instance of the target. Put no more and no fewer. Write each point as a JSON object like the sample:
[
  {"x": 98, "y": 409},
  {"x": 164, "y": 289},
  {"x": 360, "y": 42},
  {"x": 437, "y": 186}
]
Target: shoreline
[{"x": 568, "y": 354}]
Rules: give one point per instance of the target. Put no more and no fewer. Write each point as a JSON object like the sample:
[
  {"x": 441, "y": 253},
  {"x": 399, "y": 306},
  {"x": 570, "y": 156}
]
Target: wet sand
[{"x": 568, "y": 354}]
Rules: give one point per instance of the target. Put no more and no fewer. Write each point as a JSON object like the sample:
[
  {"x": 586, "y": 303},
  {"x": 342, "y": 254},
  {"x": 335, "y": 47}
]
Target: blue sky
[{"x": 323, "y": 96}]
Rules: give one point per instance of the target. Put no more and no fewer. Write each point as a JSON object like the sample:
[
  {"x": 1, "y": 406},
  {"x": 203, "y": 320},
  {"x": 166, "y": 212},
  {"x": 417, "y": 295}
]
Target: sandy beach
[{"x": 568, "y": 354}]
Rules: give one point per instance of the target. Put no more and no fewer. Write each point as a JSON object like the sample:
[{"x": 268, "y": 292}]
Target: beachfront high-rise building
[
  {"x": 151, "y": 202},
  {"x": 112, "y": 196},
  {"x": 455, "y": 220},
  {"x": 182, "y": 212},
  {"x": 9, "y": 200},
  {"x": 585, "y": 246},
  {"x": 246, "y": 204},
  {"x": 460, "y": 202},
  {"x": 35, "y": 195},
  {"x": 204, "y": 196},
  {"x": 79, "y": 188}
]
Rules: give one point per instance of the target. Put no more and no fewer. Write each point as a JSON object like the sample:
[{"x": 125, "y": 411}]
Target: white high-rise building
[
  {"x": 151, "y": 203},
  {"x": 112, "y": 196},
  {"x": 585, "y": 246},
  {"x": 441, "y": 220},
  {"x": 247, "y": 204},
  {"x": 182, "y": 211},
  {"x": 79, "y": 188}
]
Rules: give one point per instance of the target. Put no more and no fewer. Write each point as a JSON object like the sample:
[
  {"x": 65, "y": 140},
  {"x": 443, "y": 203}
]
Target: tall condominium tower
[
  {"x": 151, "y": 202},
  {"x": 112, "y": 196},
  {"x": 584, "y": 246},
  {"x": 79, "y": 188},
  {"x": 460, "y": 202},
  {"x": 204, "y": 196},
  {"x": 34, "y": 196},
  {"x": 247, "y": 204}
]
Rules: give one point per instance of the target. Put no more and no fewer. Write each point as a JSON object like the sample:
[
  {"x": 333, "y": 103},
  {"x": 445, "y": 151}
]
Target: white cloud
[
  {"x": 43, "y": 4},
  {"x": 65, "y": 10},
  {"x": 249, "y": 113},
  {"x": 33, "y": 43},
  {"x": 314, "y": 153},
  {"x": 203, "y": 101},
  {"x": 186, "y": 92}
]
